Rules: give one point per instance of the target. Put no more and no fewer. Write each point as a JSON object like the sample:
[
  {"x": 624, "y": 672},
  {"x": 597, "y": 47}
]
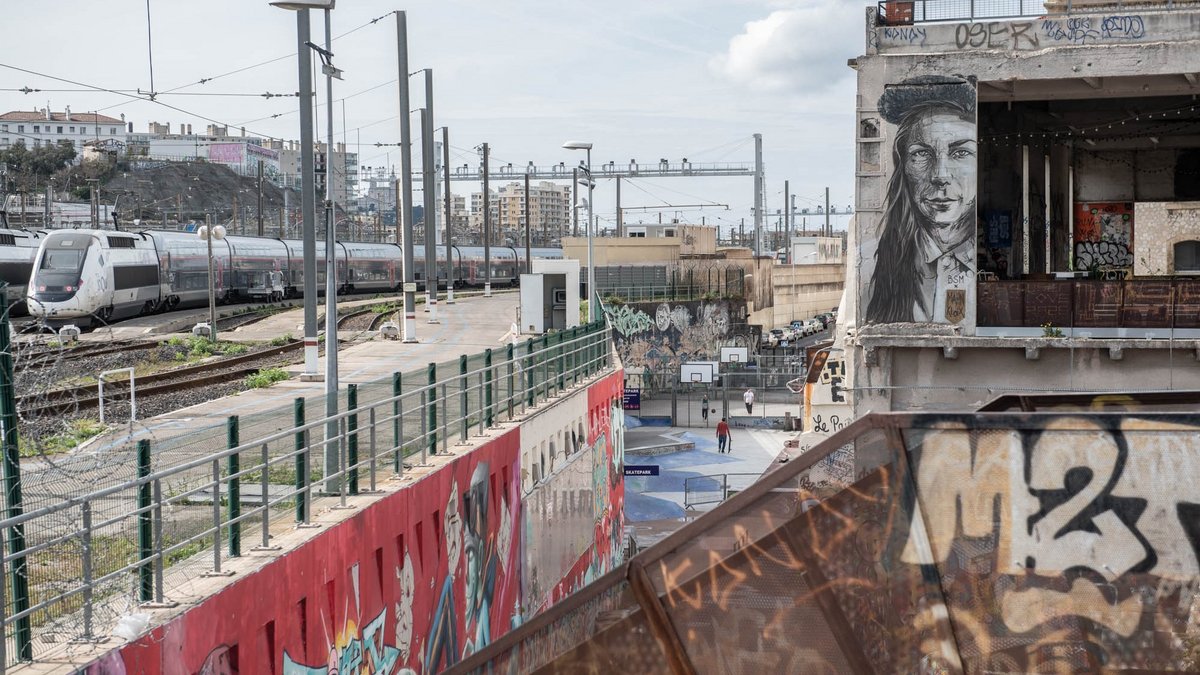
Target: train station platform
[{"x": 471, "y": 325}]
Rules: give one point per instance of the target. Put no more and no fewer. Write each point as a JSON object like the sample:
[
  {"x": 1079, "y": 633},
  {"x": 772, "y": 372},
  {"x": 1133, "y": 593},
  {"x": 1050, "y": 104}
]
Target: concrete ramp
[{"x": 976, "y": 543}]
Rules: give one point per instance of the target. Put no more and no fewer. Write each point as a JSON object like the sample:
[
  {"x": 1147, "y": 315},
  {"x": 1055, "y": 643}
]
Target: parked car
[{"x": 813, "y": 326}]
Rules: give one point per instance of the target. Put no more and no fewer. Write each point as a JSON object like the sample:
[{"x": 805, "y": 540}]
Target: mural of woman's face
[{"x": 939, "y": 164}]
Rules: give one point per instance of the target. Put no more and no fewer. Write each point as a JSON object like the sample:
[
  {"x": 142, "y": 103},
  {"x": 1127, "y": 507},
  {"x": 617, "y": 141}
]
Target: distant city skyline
[{"x": 669, "y": 79}]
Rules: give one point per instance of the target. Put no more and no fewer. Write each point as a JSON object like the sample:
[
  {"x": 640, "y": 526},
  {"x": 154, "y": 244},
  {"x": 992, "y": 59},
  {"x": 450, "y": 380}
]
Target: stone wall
[{"x": 1158, "y": 226}]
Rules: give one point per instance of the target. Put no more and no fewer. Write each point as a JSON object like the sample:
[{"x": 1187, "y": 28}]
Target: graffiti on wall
[
  {"x": 662, "y": 336},
  {"x": 1064, "y": 544},
  {"x": 1103, "y": 235},
  {"x": 924, "y": 264}
]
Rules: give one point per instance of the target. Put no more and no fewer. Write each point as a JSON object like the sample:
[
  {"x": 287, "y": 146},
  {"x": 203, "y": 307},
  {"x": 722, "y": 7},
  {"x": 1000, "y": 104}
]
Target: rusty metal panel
[
  {"x": 1147, "y": 304},
  {"x": 1048, "y": 302},
  {"x": 1097, "y": 303},
  {"x": 1001, "y": 303}
]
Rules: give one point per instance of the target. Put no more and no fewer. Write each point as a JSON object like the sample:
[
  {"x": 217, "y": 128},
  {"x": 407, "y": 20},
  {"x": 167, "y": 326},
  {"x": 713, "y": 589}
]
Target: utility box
[{"x": 550, "y": 296}]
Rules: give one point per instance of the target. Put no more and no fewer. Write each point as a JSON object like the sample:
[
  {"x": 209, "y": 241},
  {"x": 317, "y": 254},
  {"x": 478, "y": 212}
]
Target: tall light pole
[
  {"x": 446, "y": 215},
  {"x": 307, "y": 190},
  {"x": 593, "y": 310},
  {"x": 332, "y": 458},
  {"x": 207, "y": 233},
  {"x": 404, "y": 196},
  {"x": 429, "y": 185}
]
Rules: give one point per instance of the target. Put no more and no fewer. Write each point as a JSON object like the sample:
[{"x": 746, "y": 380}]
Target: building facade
[
  {"x": 1027, "y": 216},
  {"x": 342, "y": 167},
  {"x": 549, "y": 212},
  {"x": 40, "y": 127}
]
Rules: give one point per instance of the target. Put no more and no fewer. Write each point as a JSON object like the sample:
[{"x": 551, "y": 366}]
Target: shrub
[{"x": 266, "y": 377}]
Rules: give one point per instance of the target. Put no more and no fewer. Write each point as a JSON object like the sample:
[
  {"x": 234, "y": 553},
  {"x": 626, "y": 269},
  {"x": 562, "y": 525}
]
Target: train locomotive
[{"x": 101, "y": 276}]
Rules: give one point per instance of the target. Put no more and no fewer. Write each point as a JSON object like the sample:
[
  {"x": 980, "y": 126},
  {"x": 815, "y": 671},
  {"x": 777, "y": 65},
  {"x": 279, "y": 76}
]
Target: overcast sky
[{"x": 643, "y": 79}]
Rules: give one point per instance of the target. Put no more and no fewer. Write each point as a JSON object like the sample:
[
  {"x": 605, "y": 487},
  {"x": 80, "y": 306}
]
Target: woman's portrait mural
[{"x": 923, "y": 265}]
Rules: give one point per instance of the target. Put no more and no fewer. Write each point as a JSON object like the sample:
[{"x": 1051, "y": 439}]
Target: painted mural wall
[
  {"x": 920, "y": 255},
  {"x": 419, "y": 580},
  {"x": 1104, "y": 236},
  {"x": 660, "y": 336},
  {"x": 573, "y": 524}
]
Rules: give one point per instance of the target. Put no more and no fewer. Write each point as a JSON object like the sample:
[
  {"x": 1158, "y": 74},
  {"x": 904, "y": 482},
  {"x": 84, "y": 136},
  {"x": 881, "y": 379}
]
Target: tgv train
[
  {"x": 18, "y": 248},
  {"x": 104, "y": 275}
]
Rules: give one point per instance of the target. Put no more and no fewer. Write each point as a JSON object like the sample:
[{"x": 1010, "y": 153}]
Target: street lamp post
[
  {"x": 208, "y": 233},
  {"x": 593, "y": 310},
  {"x": 307, "y": 189}
]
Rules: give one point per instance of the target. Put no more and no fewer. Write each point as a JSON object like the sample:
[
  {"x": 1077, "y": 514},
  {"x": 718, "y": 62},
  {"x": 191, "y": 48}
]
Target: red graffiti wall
[{"x": 412, "y": 583}]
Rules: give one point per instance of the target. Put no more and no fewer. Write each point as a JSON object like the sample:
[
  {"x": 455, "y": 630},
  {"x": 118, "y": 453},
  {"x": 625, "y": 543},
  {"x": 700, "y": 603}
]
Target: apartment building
[{"x": 42, "y": 126}]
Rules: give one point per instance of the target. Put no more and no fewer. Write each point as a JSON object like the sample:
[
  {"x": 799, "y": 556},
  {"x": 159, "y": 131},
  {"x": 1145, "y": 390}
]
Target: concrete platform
[{"x": 469, "y": 326}]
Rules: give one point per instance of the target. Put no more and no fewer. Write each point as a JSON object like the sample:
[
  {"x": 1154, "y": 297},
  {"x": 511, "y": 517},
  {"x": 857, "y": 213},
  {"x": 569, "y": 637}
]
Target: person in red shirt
[{"x": 723, "y": 444}]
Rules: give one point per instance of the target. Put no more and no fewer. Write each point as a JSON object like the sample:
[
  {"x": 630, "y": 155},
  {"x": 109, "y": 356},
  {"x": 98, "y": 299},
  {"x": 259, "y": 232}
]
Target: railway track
[
  {"x": 182, "y": 379},
  {"x": 58, "y": 357}
]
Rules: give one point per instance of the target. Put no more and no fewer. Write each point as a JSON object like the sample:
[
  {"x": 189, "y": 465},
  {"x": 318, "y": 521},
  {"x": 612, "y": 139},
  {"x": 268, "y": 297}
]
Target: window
[
  {"x": 59, "y": 130},
  {"x": 1187, "y": 256},
  {"x": 112, "y": 131},
  {"x": 72, "y": 130},
  {"x": 20, "y": 128},
  {"x": 3, "y": 127},
  {"x": 37, "y": 129},
  {"x": 83, "y": 131},
  {"x": 4, "y": 142}
]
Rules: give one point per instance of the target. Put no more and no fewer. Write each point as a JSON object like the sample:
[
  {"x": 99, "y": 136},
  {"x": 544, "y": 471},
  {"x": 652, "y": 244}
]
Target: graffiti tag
[
  {"x": 911, "y": 35},
  {"x": 1102, "y": 254},
  {"x": 1079, "y": 30},
  {"x": 629, "y": 321},
  {"x": 1017, "y": 35}
]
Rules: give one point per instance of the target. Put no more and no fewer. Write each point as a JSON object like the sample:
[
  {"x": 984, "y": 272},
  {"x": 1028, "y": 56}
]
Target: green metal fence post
[
  {"x": 432, "y": 440},
  {"x": 145, "y": 525},
  {"x": 397, "y": 440},
  {"x": 462, "y": 396},
  {"x": 529, "y": 374},
  {"x": 12, "y": 489},
  {"x": 511, "y": 390},
  {"x": 487, "y": 390},
  {"x": 234, "y": 506},
  {"x": 301, "y": 462},
  {"x": 560, "y": 361},
  {"x": 352, "y": 438}
]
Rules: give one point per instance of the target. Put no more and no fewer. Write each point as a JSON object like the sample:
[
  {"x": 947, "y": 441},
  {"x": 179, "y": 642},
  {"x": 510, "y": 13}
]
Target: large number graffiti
[
  {"x": 661, "y": 336},
  {"x": 924, "y": 262}
]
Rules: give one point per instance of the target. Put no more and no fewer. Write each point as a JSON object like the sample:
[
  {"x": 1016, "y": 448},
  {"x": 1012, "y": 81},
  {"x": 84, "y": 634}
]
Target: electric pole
[
  {"x": 487, "y": 229},
  {"x": 758, "y": 194},
  {"x": 528, "y": 213}
]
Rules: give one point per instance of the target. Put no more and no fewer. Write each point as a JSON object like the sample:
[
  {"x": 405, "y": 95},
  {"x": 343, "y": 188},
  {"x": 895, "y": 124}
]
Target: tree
[{"x": 26, "y": 168}]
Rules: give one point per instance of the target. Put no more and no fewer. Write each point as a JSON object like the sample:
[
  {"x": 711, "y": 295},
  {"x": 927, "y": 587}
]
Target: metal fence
[
  {"x": 907, "y": 12},
  {"x": 180, "y": 508},
  {"x": 715, "y": 488},
  {"x": 640, "y": 283}
]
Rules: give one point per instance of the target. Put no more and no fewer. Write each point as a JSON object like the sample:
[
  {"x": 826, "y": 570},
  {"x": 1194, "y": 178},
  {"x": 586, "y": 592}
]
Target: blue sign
[
  {"x": 641, "y": 470},
  {"x": 632, "y": 400}
]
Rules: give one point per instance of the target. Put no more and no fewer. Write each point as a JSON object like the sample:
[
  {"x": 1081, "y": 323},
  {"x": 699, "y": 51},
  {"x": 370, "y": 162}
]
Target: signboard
[
  {"x": 410, "y": 287},
  {"x": 642, "y": 470},
  {"x": 632, "y": 399},
  {"x": 999, "y": 229}
]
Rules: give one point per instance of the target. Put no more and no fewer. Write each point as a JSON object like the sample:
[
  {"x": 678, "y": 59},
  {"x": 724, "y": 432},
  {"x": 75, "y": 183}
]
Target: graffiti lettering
[
  {"x": 1079, "y": 30},
  {"x": 629, "y": 321},
  {"x": 911, "y": 35},
  {"x": 995, "y": 35},
  {"x": 1123, "y": 27},
  {"x": 1090, "y": 254},
  {"x": 347, "y": 657}
]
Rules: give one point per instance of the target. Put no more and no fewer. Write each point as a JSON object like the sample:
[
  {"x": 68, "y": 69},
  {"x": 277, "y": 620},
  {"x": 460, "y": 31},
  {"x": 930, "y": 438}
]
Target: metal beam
[{"x": 563, "y": 172}]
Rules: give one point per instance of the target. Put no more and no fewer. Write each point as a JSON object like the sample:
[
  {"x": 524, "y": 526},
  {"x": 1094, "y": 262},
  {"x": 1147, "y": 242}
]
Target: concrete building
[
  {"x": 460, "y": 218},
  {"x": 241, "y": 153},
  {"x": 549, "y": 212},
  {"x": 646, "y": 244},
  {"x": 40, "y": 127},
  {"x": 817, "y": 251},
  {"x": 342, "y": 167},
  {"x": 1026, "y": 205}
]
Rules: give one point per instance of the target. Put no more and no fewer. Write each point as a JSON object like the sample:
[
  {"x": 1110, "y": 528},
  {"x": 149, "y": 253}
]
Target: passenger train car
[
  {"x": 83, "y": 276},
  {"x": 17, "y": 251}
]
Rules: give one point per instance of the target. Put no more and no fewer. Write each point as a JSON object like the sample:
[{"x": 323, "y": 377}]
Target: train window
[
  {"x": 7, "y": 239},
  {"x": 120, "y": 242},
  {"x": 67, "y": 260}
]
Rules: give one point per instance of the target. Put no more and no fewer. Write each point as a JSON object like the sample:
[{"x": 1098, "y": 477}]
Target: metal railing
[
  {"x": 1089, "y": 304},
  {"x": 908, "y": 12},
  {"x": 715, "y": 488},
  {"x": 79, "y": 563}
]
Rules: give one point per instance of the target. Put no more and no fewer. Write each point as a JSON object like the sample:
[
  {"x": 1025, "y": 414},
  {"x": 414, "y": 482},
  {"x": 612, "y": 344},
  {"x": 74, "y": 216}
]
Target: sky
[{"x": 640, "y": 79}]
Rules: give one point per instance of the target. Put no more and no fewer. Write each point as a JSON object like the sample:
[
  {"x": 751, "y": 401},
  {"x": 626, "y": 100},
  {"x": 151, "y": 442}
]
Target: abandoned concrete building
[{"x": 1028, "y": 195}]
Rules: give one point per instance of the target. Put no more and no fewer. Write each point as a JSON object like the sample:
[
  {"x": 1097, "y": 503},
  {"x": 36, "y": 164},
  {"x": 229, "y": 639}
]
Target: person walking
[
  {"x": 748, "y": 397},
  {"x": 704, "y": 409},
  {"x": 723, "y": 444}
]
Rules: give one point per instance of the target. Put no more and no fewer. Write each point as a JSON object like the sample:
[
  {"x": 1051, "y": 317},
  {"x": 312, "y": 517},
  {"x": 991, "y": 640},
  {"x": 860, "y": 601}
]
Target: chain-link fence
[{"x": 160, "y": 513}]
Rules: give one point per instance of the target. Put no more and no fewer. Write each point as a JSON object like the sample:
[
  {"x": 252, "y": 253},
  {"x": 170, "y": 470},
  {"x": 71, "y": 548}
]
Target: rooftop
[{"x": 36, "y": 115}]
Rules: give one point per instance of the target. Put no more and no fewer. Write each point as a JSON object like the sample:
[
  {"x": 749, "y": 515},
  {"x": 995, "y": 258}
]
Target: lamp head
[
  {"x": 218, "y": 232},
  {"x": 577, "y": 145}
]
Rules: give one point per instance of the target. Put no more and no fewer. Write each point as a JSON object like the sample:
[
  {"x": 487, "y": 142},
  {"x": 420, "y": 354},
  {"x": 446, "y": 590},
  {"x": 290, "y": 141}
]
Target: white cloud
[{"x": 797, "y": 49}]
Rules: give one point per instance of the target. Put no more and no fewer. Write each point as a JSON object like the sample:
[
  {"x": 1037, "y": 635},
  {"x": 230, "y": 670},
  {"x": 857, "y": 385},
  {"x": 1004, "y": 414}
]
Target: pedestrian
[
  {"x": 723, "y": 436},
  {"x": 704, "y": 408},
  {"x": 748, "y": 397}
]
